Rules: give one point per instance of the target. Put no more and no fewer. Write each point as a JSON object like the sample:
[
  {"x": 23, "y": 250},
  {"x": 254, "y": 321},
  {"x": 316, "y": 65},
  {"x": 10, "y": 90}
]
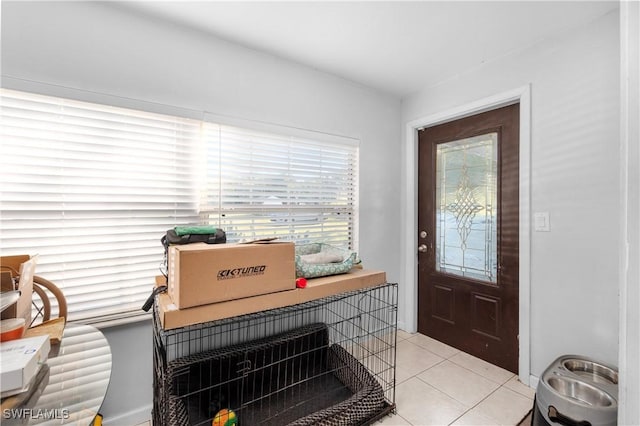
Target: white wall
[
  {"x": 630, "y": 215},
  {"x": 574, "y": 161},
  {"x": 101, "y": 49}
]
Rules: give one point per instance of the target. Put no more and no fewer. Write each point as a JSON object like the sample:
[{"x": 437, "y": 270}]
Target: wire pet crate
[{"x": 326, "y": 362}]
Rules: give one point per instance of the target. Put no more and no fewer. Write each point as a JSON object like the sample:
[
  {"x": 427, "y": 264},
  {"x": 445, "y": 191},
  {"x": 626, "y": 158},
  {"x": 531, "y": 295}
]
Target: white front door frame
[{"x": 410, "y": 218}]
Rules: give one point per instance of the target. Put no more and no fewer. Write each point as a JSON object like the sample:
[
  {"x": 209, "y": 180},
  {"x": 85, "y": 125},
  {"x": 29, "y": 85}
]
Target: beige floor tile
[
  {"x": 459, "y": 383},
  {"x": 403, "y": 335},
  {"x": 516, "y": 385},
  {"x": 412, "y": 359},
  {"x": 402, "y": 375},
  {"x": 421, "y": 404},
  {"x": 433, "y": 345},
  {"x": 506, "y": 406},
  {"x": 393, "y": 420},
  {"x": 473, "y": 418},
  {"x": 489, "y": 371}
]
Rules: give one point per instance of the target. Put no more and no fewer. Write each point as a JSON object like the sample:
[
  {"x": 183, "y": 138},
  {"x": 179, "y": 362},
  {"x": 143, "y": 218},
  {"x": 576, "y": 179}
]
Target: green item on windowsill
[
  {"x": 320, "y": 260},
  {"x": 199, "y": 230}
]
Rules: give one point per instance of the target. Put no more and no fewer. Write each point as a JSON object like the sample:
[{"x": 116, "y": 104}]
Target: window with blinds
[
  {"x": 265, "y": 185},
  {"x": 92, "y": 188}
]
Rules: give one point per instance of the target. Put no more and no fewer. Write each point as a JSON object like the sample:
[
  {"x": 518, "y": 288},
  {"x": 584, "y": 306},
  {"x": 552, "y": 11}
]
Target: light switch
[{"x": 541, "y": 221}]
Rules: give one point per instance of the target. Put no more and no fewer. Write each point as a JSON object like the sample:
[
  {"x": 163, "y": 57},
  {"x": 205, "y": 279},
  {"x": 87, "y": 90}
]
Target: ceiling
[{"x": 397, "y": 47}]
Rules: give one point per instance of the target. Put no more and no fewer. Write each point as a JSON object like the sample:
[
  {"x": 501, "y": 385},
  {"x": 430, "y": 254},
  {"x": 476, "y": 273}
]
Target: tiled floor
[{"x": 439, "y": 385}]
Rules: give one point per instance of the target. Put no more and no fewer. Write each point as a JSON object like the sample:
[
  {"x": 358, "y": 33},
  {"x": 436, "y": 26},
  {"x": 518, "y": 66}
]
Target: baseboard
[
  {"x": 533, "y": 382},
  {"x": 133, "y": 418}
]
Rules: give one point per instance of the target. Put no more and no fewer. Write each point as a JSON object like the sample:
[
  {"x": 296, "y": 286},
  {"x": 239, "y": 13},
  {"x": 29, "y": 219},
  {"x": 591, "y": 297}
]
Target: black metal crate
[{"x": 330, "y": 361}]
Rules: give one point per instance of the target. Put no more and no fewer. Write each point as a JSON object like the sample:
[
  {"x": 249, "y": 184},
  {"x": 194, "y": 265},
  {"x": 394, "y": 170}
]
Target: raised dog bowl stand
[{"x": 577, "y": 391}]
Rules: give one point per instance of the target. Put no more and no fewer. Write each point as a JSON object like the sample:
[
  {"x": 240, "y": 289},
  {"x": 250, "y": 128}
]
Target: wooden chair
[{"x": 44, "y": 292}]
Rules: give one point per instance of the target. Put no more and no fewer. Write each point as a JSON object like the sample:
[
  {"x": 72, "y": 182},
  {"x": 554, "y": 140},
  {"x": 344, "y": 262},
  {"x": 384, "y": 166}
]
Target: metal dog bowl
[
  {"x": 576, "y": 390},
  {"x": 591, "y": 370},
  {"x": 580, "y": 391}
]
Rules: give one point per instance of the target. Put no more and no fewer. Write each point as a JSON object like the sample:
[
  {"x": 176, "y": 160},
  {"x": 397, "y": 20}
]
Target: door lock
[{"x": 422, "y": 248}]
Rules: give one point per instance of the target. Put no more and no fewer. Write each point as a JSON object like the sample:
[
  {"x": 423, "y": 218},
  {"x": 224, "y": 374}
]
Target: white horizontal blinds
[
  {"x": 263, "y": 185},
  {"x": 91, "y": 189}
]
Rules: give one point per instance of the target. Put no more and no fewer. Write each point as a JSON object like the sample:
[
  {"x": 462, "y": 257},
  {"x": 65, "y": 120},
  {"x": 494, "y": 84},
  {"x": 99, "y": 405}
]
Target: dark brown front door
[{"x": 468, "y": 235}]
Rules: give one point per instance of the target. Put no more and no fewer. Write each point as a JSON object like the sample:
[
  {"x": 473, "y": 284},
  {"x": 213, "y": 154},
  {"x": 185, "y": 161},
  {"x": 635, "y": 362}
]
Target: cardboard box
[
  {"x": 20, "y": 360},
  {"x": 24, "y": 266},
  {"x": 171, "y": 317},
  {"x": 201, "y": 273}
]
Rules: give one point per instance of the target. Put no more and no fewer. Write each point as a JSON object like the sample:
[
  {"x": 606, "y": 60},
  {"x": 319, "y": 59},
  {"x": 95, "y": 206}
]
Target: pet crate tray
[{"x": 296, "y": 378}]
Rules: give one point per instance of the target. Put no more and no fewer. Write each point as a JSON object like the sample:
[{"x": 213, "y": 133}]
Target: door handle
[{"x": 422, "y": 248}]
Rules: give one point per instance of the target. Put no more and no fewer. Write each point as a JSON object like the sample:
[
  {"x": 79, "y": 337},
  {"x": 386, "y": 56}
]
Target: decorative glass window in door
[{"x": 466, "y": 207}]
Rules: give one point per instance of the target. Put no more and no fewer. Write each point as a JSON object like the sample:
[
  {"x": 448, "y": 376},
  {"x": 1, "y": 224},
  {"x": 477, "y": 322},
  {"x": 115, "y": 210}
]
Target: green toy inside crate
[{"x": 320, "y": 260}]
